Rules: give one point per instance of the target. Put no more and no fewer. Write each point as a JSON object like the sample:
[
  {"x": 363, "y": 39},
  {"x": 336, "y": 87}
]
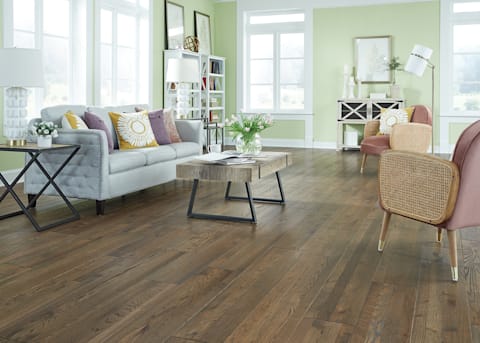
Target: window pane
[
  {"x": 291, "y": 45},
  {"x": 143, "y": 81},
  {"x": 145, "y": 4},
  {"x": 461, "y": 7},
  {"x": 277, "y": 18},
  {"x": 125, "y": 92},
  {"x": 126, "y": 63},
  {"x": 291, "y": 97},
  {"x": 56, "y": 70},
  {"x": 261, "y": 71},
  {"x": 261, "y": 46},
  {"x": 106, "y": 26},
  {"x": 465, "y": 38},
  {"x": 106, "y": 92},
  {"x": 106, "y": 61},
  {"x": 56, "y": 14},
  {"x": 24, "y": 15},
  {"x": 261, "y": 97},
  {"x": 23, "y": 40},
  {"x": 126, "y": 28},
  {"x": 291, "y": 71},
  {"x": 466, "y": 76}
]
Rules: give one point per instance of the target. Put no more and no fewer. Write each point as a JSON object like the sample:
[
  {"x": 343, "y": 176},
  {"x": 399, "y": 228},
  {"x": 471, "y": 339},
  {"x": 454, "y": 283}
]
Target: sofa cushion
[
  {"x": 158, "y": 154},
  {"x": 133, "y": 130},
  {"x": 120, "y": 161},
  {"x": 170, "y": 125},
  {"x": 95, "y": 122},
  {"x": 158, "y": 126},
  {"x": 185, "y": 149},
  {"x": 55, "y": 113},
  {"x": 72, "y": 121}
]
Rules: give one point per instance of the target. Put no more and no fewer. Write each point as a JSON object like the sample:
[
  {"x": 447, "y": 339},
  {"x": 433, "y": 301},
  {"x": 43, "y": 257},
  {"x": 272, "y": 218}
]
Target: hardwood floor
[{"x": 309, "y": 271}]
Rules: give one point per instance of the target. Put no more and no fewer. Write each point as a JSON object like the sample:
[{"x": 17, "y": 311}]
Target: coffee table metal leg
[
  {"x": 267, "y": 200},
  {"x": 191, "y": 214}
]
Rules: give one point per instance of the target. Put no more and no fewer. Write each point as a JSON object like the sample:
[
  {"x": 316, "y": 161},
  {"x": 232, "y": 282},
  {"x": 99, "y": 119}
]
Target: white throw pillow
[{"x": 391, "y": 117}]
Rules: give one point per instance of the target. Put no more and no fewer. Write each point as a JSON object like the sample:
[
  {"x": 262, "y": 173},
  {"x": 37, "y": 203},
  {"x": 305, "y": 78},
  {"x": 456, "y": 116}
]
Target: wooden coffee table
[{"x": 265, "y": 164}]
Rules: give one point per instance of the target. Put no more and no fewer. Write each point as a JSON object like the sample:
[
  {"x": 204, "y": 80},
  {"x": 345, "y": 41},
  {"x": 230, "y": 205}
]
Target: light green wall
[
  {"x": 334, "y": 31},
  {"x": 292, "y": 129},
  {"x": 226, "y": 46}
]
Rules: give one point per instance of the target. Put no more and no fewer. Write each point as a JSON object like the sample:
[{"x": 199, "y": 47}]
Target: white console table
[{"x": 358, "y": 112}]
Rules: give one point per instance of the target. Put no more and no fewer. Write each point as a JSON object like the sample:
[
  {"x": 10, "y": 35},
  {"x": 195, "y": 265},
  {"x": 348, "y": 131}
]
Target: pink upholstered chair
[
  {"x": 445, "y": 194},
  {"x": 414, "y": 136}
]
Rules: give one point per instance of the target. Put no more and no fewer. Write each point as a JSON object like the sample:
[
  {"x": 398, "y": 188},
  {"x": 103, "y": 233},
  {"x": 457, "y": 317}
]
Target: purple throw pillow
[
  {"x": 158, "y": 126},
  {"x": 95, "y": 122}
]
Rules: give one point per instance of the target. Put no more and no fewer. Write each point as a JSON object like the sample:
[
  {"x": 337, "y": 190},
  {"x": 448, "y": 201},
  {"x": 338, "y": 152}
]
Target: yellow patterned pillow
[
  {"x": 71, "y": 121},
  {"x": 133, "y": 130}
]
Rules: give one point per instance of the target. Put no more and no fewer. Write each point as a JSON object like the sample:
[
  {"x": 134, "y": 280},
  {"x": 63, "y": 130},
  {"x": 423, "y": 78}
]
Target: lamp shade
[
  {"x": 418, "y": 60},
  {"x": 21, "y": 68},
  {"x": 182, "y": 70}
]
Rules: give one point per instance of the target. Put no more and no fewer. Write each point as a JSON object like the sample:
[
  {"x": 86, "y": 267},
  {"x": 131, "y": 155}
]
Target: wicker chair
[
  {"x": 413, "y": 136},
  {"x": 445, "y": 194}
]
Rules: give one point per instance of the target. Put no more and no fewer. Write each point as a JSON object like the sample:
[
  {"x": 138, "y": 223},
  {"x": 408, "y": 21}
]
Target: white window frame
[
  {"x": 275, "y": 29},
  {"x": 75, "y": 94},
  {"x": 448, "y": 21},
  {"x": 127, "y": 8}
]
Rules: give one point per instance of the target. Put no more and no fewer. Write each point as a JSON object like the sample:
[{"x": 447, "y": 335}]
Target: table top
[
  {"x": 33, "y": 147},
  {"x": 268, "y": 162}
]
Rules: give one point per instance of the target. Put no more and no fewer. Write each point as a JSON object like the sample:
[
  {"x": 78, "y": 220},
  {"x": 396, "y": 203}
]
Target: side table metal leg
[
  {"x": 250, "y": 202},
  {"x": 192, "y": 198},
  {"x": 227, "y": 191}
]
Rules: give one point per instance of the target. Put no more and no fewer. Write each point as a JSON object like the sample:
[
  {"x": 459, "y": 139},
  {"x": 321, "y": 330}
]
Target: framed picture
[
  {"x": 202, "y": 31},
  {"x": 372, "y": 55},
  {"x": 174, "y": 25}
]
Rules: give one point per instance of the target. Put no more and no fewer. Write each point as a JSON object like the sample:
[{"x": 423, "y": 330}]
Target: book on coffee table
[
  {"x": 235, "y": 160},
  {"x": 222, "y": 158}
]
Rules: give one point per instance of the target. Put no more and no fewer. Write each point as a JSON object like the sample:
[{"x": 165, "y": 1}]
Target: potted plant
[
  {"x": 245, "y": 130},
  {"x": 44, "y": 131},
  {"x": 394, "y": 65}
]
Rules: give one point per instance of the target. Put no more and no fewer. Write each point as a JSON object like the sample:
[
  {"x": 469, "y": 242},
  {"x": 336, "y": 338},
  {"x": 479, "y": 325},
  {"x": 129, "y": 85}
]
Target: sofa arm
[
  {"x": 190, "y": 130},
  {"x": 417, "y": 186},
  {"x": 85, "y": 176},
  {"x": 371, "y": 128}
]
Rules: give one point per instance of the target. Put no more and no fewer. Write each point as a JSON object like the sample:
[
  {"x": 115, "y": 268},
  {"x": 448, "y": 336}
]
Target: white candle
[{"x": 346, "y": 69}]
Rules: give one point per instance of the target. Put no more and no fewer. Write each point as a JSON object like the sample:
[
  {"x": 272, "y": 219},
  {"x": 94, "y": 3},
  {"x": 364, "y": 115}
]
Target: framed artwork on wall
[
  {"x": 372, "y": 55},
  {"x": 202, "y": 32},
  {"x": 174, "y": 25}
]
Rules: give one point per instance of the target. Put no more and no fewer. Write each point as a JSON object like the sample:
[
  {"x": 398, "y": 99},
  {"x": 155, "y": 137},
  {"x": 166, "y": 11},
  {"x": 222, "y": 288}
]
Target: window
[
  {"x": 275, "y": 62},
  {"x": 50, "y": 25},
  {"x": 124, "y": 52},
  {"x": 461, "y": 57}
]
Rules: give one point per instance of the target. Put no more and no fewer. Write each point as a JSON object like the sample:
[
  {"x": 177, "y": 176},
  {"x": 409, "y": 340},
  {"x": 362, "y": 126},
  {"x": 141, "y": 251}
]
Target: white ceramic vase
[{"x": 44, "y": 141}]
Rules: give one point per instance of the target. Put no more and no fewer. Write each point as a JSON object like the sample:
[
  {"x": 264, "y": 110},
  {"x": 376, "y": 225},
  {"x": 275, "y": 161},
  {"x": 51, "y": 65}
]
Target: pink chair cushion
[
  {"x": 375, "y": 145},
  {"x": 422, "y": 114},
  {"x": 467, "y": 157}
]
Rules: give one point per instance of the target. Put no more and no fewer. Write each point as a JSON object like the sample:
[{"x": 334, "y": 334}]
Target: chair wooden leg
[
  {"x": 439, "y": 235},
  {"x": 383, "y": 233},
  {"x": 452, "y": 249},
  {"x": 364, "y": 160}
]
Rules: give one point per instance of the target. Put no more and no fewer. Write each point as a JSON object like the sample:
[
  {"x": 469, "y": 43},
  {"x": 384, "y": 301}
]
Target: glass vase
[{"x": 251, "y": 145}]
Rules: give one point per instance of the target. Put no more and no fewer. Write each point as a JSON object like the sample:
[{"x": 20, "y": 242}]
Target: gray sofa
[{"x": 95, "y": 174}]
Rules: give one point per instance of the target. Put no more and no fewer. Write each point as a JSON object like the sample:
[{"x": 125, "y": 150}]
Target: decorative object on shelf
[
  {"x": 202, "y": 31},
  {"x": 45, "y": 130},
  {"x": 346, "y": 77},
  {"x": 418, "y": 61},
  {"x": 19, "y": 68},
  {"x": 351, "y": 86},
  {"x": 370, "y": 56},
  {"x": 245, "y": 130},
  {"x": 182, "y": 72},
  {"x": 191, "y": 43},
  {"x": 393, "y": 66},
  {"x": 174, "y": 25}
]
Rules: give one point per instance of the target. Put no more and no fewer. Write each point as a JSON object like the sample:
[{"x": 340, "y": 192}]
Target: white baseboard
[
  {"x": 11, "y": 174},
  {"x": 324, "y": 145}
]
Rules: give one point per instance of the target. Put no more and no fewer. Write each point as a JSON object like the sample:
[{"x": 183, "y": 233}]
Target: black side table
[{"x": 34, "y": 151}]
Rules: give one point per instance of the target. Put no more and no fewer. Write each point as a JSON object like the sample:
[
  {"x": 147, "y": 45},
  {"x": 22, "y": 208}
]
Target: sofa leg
[
  {"x": 100, "y": 207},
  {"x": 30, "y": 198}
]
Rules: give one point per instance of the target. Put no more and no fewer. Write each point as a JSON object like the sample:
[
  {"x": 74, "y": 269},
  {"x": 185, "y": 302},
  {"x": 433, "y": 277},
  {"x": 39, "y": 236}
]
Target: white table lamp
[
  {"x": 418, "y": 61},
  {"x": 19, "y": 68},
  {"x": 182, "y": 72}
]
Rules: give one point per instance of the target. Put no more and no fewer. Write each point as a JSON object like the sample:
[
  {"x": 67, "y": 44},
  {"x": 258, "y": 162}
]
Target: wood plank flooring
[{"x": 309, "y": 271}]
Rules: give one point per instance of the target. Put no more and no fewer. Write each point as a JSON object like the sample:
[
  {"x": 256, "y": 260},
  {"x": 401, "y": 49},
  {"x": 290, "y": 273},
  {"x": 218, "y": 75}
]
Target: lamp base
[{"x": 16, "y": 142}]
